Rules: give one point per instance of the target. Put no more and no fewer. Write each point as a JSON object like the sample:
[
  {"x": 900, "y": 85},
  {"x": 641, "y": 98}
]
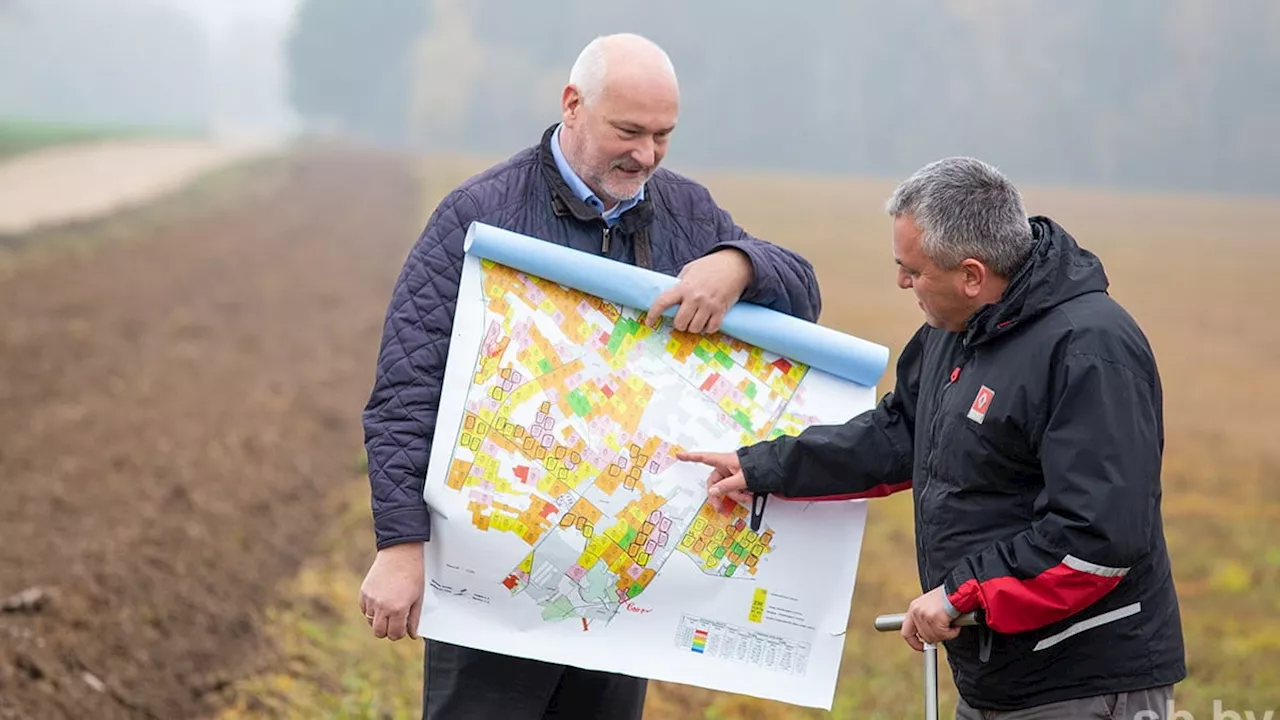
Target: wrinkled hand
[
  {"x": 391, "y": 596},
  {"x": 726, "y": 476},
  {"x": 707, "y": 288},
  {"x": 928, "y": 621}
]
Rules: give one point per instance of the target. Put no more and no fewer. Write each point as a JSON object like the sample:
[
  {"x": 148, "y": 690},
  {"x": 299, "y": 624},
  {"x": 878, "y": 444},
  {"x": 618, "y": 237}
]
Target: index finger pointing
[
  {"x": 669, "y": 297},
  {"x": 693, "y": 456}
]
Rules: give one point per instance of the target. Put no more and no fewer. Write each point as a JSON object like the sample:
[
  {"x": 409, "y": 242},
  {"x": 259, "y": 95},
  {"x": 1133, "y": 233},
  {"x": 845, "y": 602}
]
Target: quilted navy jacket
[{"x": 676, "y": 222}]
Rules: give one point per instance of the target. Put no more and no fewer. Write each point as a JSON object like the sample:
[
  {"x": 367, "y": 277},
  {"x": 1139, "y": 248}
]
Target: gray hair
[
  {"x": 589, "y": 70},
  {"x": 966, "y": 209}
]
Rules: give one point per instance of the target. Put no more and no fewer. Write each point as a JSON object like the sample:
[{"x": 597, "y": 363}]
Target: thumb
[
  {"x": 415, "y": 613},
  {"x": 733, "y": 483}
]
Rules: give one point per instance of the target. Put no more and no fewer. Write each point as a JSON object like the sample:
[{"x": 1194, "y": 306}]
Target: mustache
[{"x": 626, "y": 166}]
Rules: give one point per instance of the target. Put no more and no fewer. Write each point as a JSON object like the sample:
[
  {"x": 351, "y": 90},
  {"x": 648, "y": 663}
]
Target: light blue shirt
[{"x": 583, "y": 192}]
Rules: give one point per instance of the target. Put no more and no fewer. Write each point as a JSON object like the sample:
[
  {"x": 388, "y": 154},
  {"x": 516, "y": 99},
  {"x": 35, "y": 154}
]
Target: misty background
[{"x": 1140, "y": 94}]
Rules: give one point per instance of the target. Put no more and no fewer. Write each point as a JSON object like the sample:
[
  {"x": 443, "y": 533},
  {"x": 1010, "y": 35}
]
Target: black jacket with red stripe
[{"x": 1032, "y": 443}]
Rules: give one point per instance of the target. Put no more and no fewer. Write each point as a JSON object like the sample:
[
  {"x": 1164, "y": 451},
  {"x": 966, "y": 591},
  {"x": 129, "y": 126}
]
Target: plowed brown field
[{"x": 173, "y": 409}]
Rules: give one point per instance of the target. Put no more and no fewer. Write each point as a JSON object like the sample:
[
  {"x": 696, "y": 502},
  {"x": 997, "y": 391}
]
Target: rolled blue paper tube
[{"x": 836, "y": 353}]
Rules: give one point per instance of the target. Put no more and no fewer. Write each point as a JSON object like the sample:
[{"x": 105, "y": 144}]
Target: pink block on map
[
  {"x": 662, "y": 539},
  {"x": 577, "y": 572},
  {"x": 650, "y": 546},
  {"x": 654, "y": 516},
  {"x": 665, "y": 525},
  {"x": 634, "y": 571}
]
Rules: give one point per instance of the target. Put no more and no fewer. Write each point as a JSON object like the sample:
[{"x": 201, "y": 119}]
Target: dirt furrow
[{"x": 173, "y": 411}]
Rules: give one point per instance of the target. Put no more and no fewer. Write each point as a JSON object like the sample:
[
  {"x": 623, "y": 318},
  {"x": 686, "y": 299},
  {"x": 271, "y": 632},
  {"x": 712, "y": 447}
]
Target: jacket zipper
[
  {"x": 933, "y": 450},
  {"x": 604, "y": 244}
]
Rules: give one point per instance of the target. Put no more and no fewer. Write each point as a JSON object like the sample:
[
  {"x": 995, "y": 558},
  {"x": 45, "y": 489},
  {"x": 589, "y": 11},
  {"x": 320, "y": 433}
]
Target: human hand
[
  {"x": 726, "y": 476},
  {"x": 391, "y": 596},
  {"x": 707, "y": 288},
  {"x": 928, "y": 621}
]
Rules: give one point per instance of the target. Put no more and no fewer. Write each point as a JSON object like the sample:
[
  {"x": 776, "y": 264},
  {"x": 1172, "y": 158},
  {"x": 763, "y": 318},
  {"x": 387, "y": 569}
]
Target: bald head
[
  {"x": 620, "y": 62},
  {"x": 618, "y": 110}
]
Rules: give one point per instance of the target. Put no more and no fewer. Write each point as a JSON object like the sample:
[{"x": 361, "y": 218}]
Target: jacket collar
[{"x": 566, "y": 202}]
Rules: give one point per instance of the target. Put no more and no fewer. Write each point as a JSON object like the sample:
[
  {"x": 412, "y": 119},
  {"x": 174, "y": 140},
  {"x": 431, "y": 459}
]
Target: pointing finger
[
  {"x": 669, "y": 297},
  {"x": 694, "y": 456}
]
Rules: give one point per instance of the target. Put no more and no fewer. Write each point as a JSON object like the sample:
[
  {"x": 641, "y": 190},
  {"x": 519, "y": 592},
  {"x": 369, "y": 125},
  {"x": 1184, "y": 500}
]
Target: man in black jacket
[{"x": 1027, "y": 419}]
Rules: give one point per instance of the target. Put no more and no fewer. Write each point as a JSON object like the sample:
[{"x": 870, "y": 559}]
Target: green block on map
[
  {"x": 719, "y": 552},
  {"x": 737, "y": 548},
  {"x": 742, "y": 419},
  {"x": 730, "y": 570},
  {"x": 723, "y": 358},
  {"x": 702, "y": 353},
  {"x": 634, "y": 590},
  {"x": 627, "y": 538},
  {"x": 578, "y": 401},
  {"x": 545, "y": 365},
  {"x": 621, "y": 329},
  {"x": 751, "y": 390},
  {"x": 559, "y": 609}
]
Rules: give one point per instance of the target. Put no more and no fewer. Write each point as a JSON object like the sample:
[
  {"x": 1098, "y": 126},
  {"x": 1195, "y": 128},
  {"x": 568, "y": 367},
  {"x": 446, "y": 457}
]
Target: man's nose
[
  {"x": 645, "y": 152},
  {"x": 904, "y": 280}
]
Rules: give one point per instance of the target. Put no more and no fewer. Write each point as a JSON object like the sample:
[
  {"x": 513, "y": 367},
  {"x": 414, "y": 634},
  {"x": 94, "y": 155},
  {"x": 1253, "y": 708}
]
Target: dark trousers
[
  {"x": 465, "y": 684},
  {"x": 1153, "y": 703}
]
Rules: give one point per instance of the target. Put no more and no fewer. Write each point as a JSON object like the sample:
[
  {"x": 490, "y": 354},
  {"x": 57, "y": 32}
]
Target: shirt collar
[{"x": 580, "y": 188}]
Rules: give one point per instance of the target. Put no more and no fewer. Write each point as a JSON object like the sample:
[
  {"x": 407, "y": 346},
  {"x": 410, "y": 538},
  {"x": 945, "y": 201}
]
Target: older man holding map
[{"x": 592, "y": 184}]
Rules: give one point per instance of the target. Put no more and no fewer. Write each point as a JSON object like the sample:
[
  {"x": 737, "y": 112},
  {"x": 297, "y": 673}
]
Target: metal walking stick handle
[{"x": 889, "y": 623}]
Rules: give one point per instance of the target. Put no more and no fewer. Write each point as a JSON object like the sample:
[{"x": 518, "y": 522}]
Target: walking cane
[{"x": 888, "y": 623}]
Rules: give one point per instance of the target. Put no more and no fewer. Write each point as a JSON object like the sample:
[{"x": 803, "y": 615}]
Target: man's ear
[
  {"x": 973, "y": 275},
  {"x": 570, "y": 104}
]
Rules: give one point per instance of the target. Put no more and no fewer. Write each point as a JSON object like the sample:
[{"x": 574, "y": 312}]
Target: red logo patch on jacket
[{"x": 978, "y": 411}]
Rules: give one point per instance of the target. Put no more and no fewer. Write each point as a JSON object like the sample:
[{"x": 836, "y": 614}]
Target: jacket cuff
[
  {"x": 759, "y": 468},
  {"x": 952, "y": 612},
  {"x": 402, "y": 525},
  {"x": 744, "y": 247},
  {"x": 962, "y": 590}
]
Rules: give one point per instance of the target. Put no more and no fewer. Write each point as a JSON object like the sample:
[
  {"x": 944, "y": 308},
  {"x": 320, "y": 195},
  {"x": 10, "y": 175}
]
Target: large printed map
[
  {"x": 553, "y": 449},
  {"x": 565, "y": 528}
]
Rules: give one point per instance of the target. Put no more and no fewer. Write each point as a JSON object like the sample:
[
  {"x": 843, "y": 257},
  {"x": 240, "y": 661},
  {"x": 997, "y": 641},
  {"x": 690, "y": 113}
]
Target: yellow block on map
[{"x": 757, "y": 605}]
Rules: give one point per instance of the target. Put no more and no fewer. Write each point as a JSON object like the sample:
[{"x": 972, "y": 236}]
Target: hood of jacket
[{"x": 1057, "y": 270}]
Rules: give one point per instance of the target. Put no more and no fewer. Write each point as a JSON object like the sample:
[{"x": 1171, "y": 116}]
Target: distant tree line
[
  {"x": 1158, "y": 94},
  {"x": 352, "y": 63}
]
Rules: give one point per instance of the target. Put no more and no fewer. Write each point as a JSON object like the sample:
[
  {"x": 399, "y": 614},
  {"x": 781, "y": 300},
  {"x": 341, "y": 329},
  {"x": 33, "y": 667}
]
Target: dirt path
[
  {"x": 81, "y": 181},
  {"x": 172, "y": 412}
]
